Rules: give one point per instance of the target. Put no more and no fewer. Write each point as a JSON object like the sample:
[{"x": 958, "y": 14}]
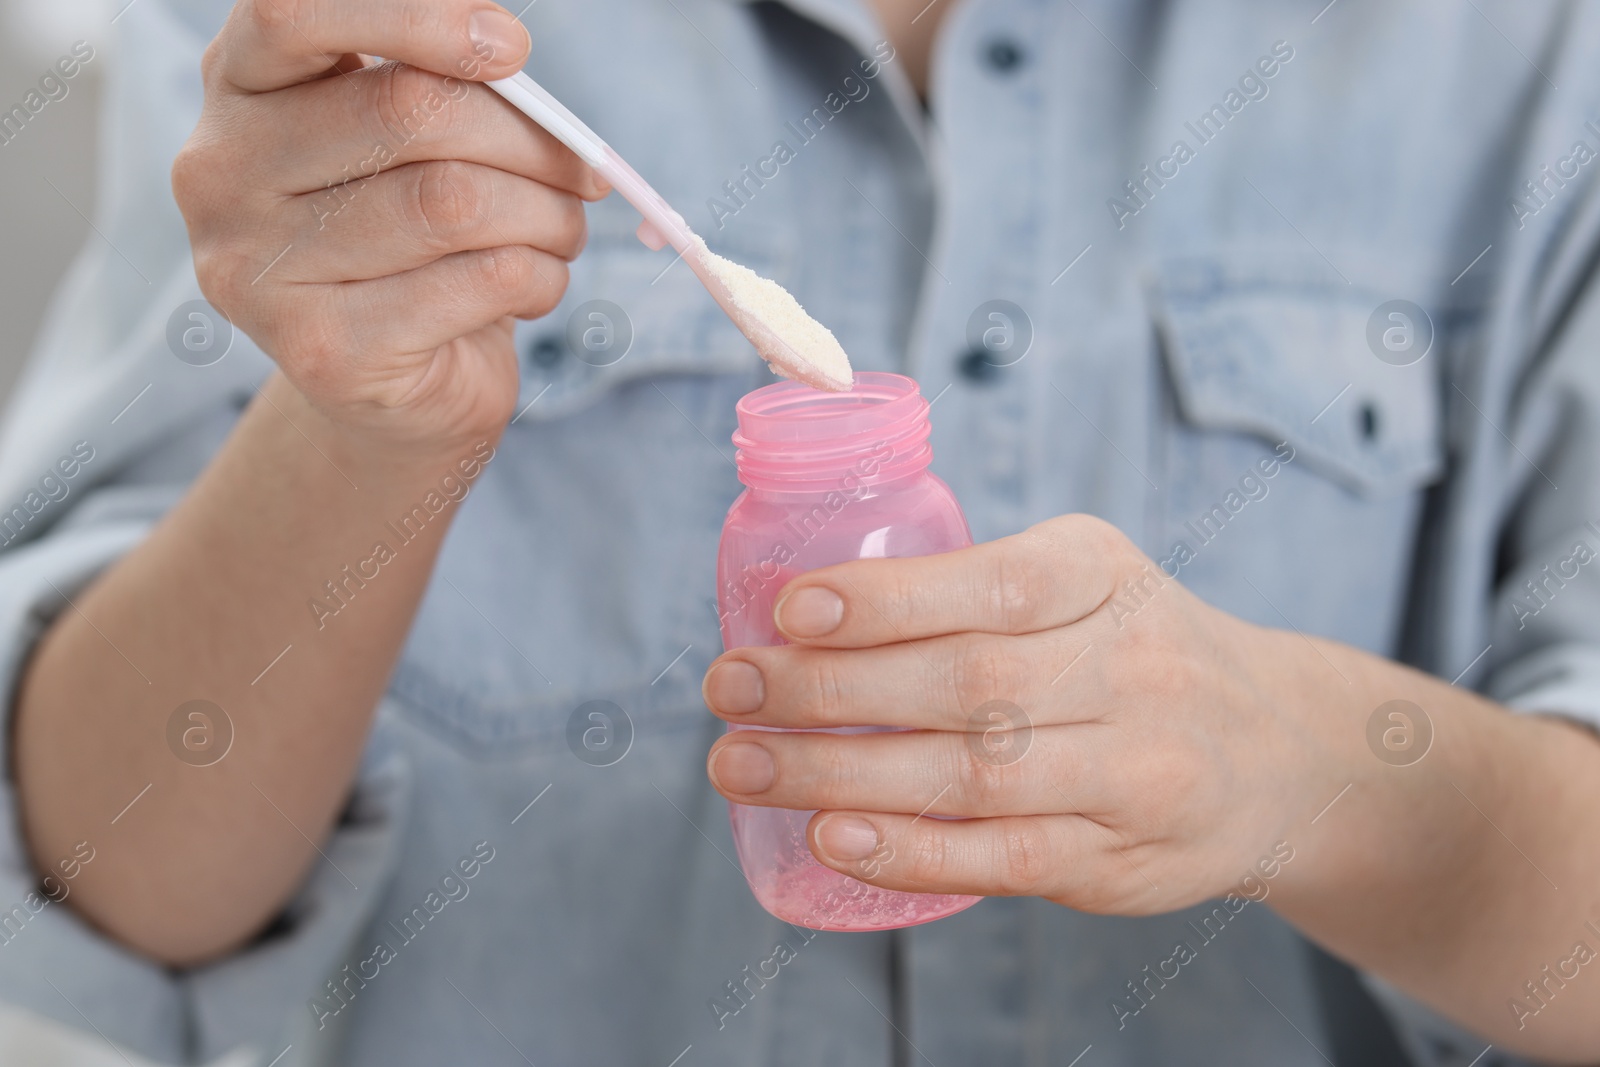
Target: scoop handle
[{"x": 662, "y": 225}]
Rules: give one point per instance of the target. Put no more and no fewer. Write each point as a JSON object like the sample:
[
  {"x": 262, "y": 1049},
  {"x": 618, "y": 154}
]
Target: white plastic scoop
[{"x": 793, "y": 343}]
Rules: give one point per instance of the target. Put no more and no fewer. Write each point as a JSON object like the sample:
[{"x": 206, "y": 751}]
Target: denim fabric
[{"x": 1195, "y": 316}]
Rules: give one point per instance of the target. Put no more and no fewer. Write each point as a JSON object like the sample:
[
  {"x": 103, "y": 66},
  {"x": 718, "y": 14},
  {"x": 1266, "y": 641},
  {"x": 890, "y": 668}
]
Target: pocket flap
[{"x": 1272, "y": 347}]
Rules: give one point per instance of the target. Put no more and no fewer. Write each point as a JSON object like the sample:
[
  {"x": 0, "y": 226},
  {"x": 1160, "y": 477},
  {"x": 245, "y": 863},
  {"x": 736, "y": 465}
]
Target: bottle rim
[{"x": 793, "y": 438}]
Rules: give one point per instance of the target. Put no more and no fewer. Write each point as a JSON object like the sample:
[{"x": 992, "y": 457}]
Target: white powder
[{"x": 793, "y": 343}]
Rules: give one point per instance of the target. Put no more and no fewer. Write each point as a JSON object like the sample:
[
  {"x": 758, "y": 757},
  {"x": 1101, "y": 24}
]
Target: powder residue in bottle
[{"x": 793, "y": 343}]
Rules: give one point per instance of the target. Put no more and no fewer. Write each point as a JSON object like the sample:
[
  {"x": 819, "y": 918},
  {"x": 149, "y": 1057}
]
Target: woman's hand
[
  {"x": 376, "y": 227},
  {"x": 1107, "y": 740}
]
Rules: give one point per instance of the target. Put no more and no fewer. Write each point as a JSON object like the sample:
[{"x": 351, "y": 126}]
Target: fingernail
[
  {"x": 506, "y": 37},
  {"x": 734, "y": 687},
  {"x": 846, "y": 838},
  {"x": 743, "y": 767},
  {"x": 810, "y": 612}
]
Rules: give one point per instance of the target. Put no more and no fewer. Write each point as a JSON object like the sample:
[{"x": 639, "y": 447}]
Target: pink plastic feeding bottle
[{"x": 830, "y": 477}]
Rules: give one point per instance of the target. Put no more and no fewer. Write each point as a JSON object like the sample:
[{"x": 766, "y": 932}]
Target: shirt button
[
  {"x": 1369, "y": 421},
  {"x": 1003, "y": 55},
  {"x": 976, "y": 366},
  {"x": 546, "y": 351}
]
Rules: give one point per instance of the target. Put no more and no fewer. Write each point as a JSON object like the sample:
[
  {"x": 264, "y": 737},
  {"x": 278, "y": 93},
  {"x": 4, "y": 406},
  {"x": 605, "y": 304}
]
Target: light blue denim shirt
[{"x": 1199, "y": 214}]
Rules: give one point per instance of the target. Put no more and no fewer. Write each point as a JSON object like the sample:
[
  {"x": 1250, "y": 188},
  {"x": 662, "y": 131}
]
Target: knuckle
[
  {"x": 190, "y": 169},
  {"x": 985, "y": 669},
  {"x": 223, "y": 271},
  {"x": 279, "y": 22},
  {"x": 981, "y": 786},
  {"x": 417, "y": 22},
  {"x": 827, "y": 688},
  {"x": 838, "y": 771},
  {"x": 1022, "y": 858},
  {"x": 314, "y": 351},
  {"x": 1080, "y": 535},
  {"x": 506, "y": 271},
  {"x": 1101, "y": 537},
  {"x": 572, "y": 227},
  {"x": 445, "y": 203},
  {"x": 927, "y": 858},
  {"x": 896, "y": 595},
  {"x": 186, "y": 171},
  {"x": 209, "y": 170},
  {"x": 543, "y": 284},
  {"x": 406, "y": 102},
  {"x": 211, "y": 62},
  {"x": 1023, "y": 586}
]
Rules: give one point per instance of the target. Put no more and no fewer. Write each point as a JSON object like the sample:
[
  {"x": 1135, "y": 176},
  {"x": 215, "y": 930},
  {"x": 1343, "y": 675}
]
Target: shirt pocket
[
  {"x": 581, "y": 571},
  {"x": 1296, "y": 459}
]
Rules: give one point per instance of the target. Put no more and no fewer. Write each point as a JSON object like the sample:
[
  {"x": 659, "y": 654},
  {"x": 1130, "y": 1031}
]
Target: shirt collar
[{"x": 854, "y": 21}]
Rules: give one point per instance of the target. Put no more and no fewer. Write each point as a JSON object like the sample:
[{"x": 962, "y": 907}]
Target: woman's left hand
[{"x": 1100, "y": 736}]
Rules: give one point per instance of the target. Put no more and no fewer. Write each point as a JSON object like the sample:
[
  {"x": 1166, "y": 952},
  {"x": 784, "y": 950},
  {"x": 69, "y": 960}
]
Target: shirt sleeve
[
  {"x": 1544, "y": 637},
  {"x": 1537, "y": 429},
  {"x": 1511, "y": 595},
  {"x": 106, "y": 398}
]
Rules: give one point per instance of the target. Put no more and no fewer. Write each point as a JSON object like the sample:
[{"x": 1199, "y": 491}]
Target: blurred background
[
  {"x": 41, "y": 228},
  {"x": 40, "y": 231}
]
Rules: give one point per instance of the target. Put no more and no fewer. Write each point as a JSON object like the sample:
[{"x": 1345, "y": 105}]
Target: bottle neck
[{"x": 793, "y": 439}]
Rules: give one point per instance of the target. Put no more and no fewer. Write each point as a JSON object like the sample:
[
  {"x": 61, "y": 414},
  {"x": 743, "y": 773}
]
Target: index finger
[
  {"x": 1052, "y": 574},
  {"x": 271, "y": 44}
]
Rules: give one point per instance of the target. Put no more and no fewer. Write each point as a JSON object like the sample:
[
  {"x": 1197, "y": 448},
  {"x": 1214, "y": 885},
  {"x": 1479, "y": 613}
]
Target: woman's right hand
[{"x": 375, "y": 227}]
